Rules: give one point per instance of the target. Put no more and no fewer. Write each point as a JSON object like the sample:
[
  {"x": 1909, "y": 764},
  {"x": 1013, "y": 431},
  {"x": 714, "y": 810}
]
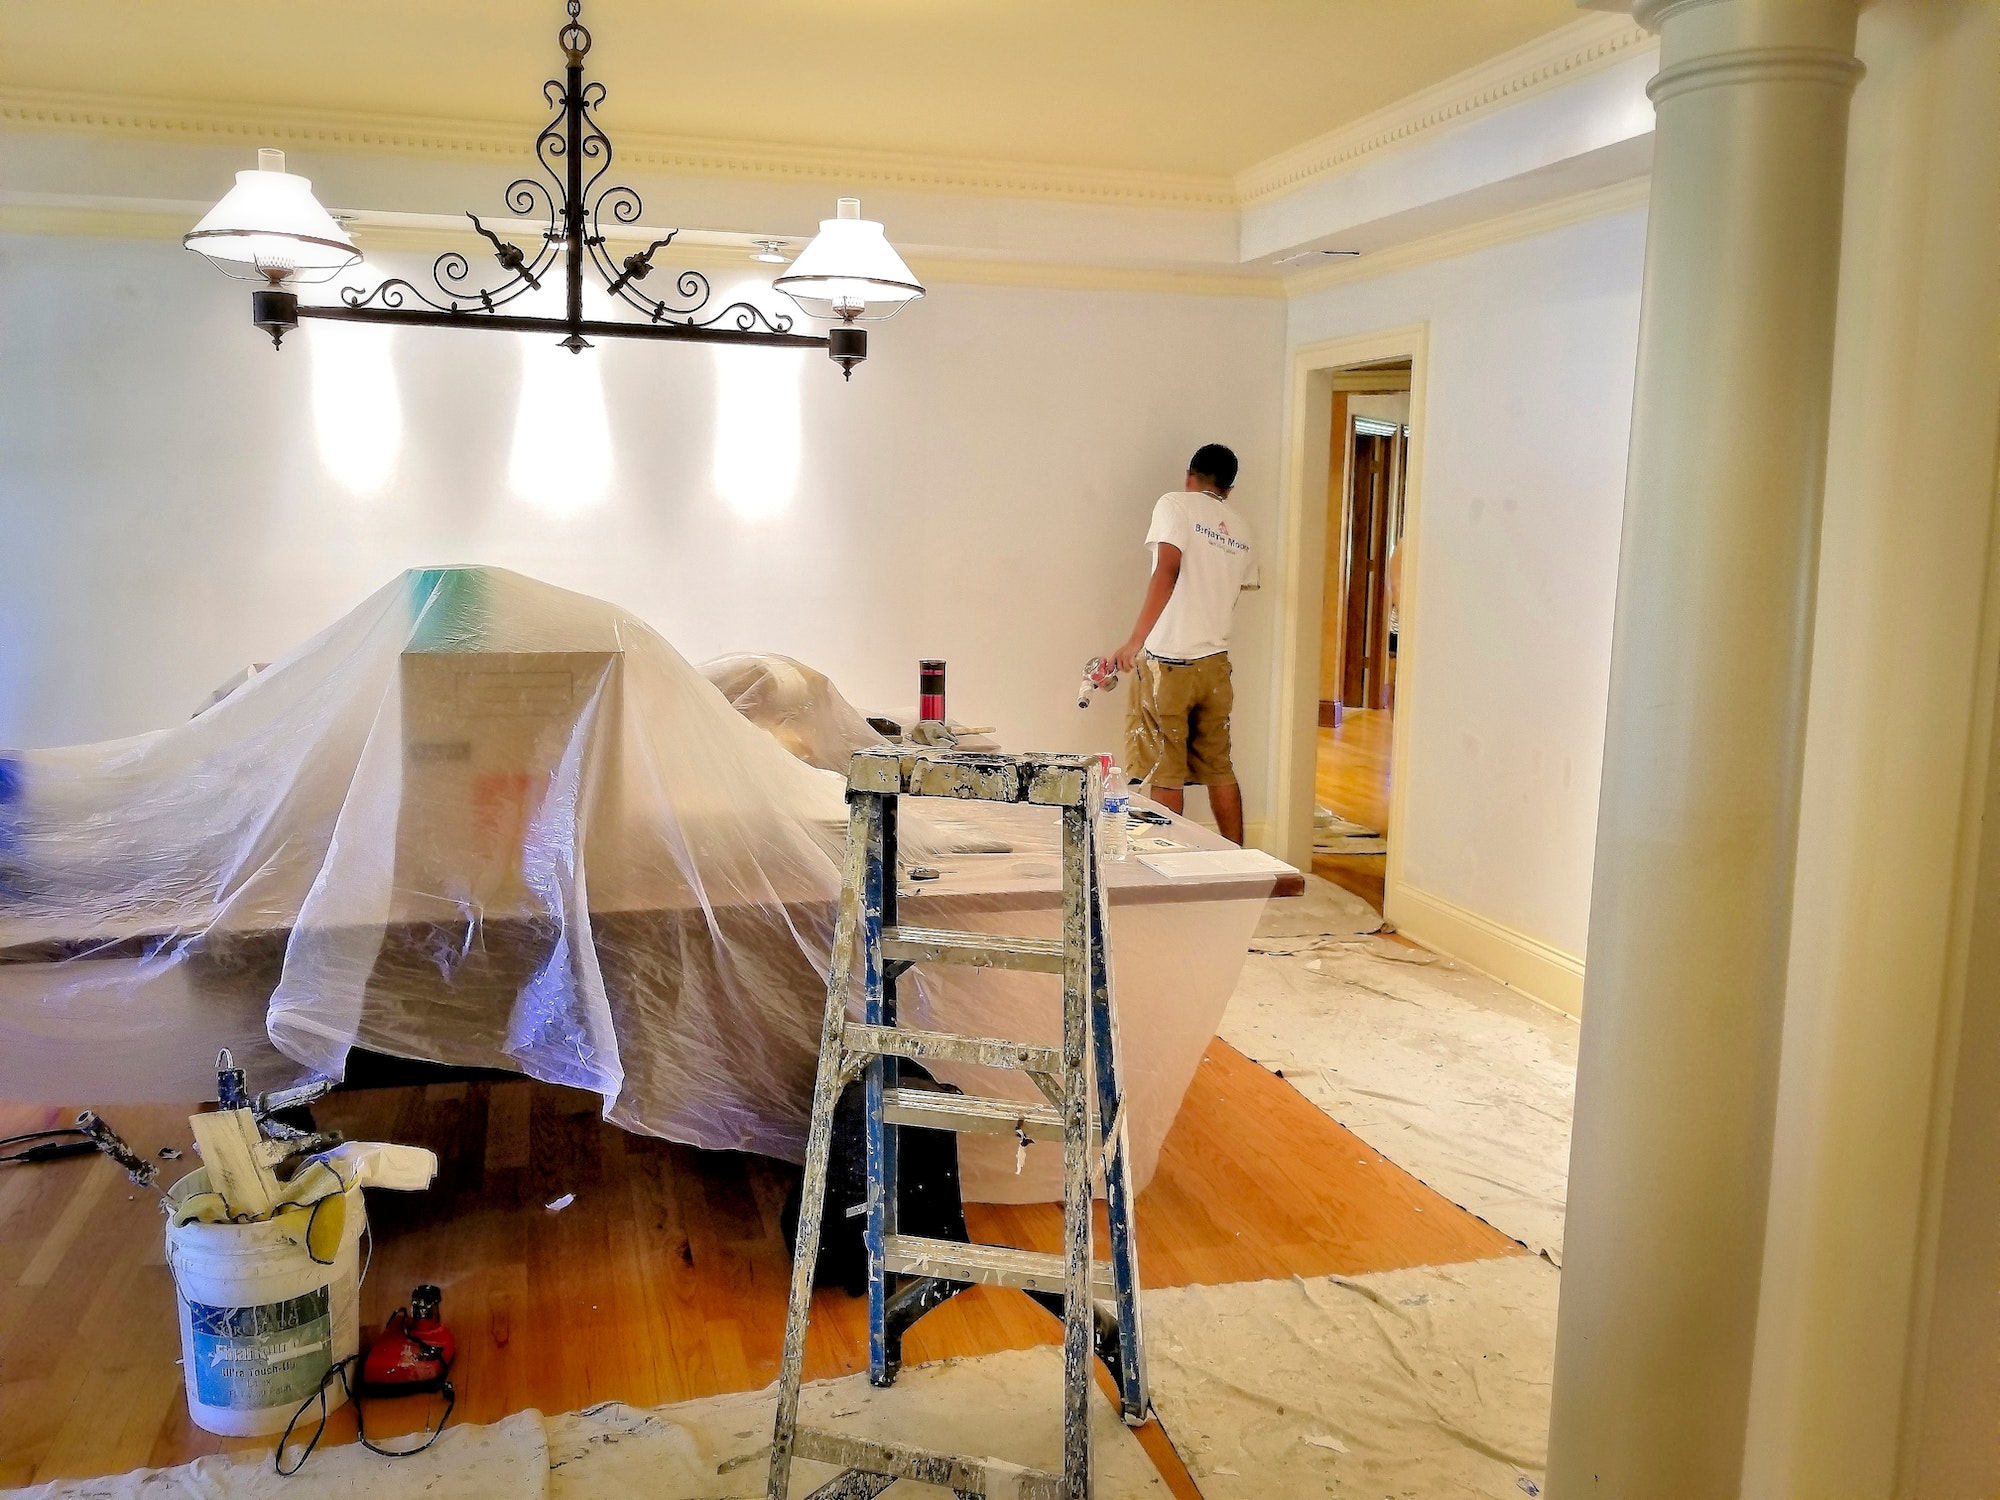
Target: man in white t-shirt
[{"x": 1203, "y": 557}]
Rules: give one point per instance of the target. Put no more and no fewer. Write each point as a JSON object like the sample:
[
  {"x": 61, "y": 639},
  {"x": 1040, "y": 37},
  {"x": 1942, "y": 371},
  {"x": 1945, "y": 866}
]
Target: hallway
[{"x": 1351, "y": 778}]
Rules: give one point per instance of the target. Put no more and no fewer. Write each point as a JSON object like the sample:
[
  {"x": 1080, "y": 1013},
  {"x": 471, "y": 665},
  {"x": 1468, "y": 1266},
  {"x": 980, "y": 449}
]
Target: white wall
[
  {"x": 1531, "y": 356},
  {"x": 168, "y": 511}
]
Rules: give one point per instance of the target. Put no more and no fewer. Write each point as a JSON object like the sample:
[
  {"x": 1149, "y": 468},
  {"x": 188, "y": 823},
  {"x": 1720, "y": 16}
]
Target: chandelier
[{"x": 270, "y": 228}]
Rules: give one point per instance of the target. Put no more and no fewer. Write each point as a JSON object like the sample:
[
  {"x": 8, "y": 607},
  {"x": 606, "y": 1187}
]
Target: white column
[
  {"x": 1697, "y": 828},
  {"x": 1885, "y": 1172}
]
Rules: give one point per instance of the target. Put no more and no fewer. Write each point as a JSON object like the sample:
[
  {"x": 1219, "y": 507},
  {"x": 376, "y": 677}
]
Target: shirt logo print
[{"x": 1221, "y": 536}]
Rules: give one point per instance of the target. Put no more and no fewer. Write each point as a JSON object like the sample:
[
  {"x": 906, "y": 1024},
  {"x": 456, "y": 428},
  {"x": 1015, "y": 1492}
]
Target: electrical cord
[
  {"x": 52, "y": 1145},
  {"x": 339, "y": 1371}
]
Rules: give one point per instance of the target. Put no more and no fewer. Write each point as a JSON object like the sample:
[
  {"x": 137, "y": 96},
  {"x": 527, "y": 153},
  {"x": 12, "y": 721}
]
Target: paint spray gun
[{"x": 1100, "y": 674}]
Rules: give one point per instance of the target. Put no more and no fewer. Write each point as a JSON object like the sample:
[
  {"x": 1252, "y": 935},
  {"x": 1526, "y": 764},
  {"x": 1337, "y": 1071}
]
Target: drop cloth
[{"x": 1422, "y": 1384}]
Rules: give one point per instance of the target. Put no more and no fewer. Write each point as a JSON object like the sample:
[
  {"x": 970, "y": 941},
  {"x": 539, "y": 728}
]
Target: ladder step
[
  {"x": 988, "y": 1265},
  {"x": 983, "y": 950},
  {"x": 971, "y": 1114},
  {"x": 968, "y": 1476},
  {"x": 945, "y": 1046}
]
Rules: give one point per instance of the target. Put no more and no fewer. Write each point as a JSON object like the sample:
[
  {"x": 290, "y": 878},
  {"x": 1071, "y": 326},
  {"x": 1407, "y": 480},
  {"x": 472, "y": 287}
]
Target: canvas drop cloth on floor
[
  {"x": 1325, "y": 913},
  {"x": 505, "y": 1460},
  {"x": 1424, "y": 1384},
  {"x": 1006, "y": 1406},
  {"x": 1334, "y": 834},
  {"x": 1461, "y": 1082}
]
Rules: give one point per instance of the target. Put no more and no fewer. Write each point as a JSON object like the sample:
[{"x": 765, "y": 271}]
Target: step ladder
[{"x": 1097, "y": 1301}]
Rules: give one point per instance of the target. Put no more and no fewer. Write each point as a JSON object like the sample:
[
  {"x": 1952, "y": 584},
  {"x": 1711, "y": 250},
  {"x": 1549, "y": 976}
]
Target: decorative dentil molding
[
  {"x": 197, "y": 122},
  {"x": 1585, "y": 46},
  {"x": 71, "y": 216}
]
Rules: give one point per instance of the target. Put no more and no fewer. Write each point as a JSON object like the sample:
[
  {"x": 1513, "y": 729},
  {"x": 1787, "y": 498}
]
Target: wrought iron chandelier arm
[
  {"x": 692, "y": 287},
  {"x": 511, "y": 257},
  {"x": 574, "y": 155},
  {"x": 596, "y": 145},
  {"x": 746, "y": 317}
]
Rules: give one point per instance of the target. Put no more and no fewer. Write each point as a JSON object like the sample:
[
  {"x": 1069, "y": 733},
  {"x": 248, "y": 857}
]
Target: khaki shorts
[{"x": 1178, "y": 727}]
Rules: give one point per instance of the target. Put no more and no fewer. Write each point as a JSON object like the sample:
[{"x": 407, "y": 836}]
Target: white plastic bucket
[{"x": 261, "y": 1321}]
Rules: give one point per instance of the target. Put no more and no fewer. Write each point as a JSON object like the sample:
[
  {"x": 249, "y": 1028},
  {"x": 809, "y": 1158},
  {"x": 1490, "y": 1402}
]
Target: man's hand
[{"x": 1126, "y": 657}]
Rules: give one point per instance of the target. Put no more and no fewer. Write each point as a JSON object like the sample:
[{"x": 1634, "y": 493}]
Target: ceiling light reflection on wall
[
  {"x": 561, "y": 459},
  {"x": 757, "y": 432},
  {"x": 357, "y": 408}
]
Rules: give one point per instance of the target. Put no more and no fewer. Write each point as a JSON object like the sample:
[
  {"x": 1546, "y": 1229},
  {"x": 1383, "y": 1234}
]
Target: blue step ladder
[{"x": 1098, "y": 1301}]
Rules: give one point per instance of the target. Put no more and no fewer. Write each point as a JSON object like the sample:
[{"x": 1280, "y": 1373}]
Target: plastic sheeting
[
  {"x": 479, "y": 821},
  {"x": 795, "y": 705},
  {"x": 482, "y": 821}
]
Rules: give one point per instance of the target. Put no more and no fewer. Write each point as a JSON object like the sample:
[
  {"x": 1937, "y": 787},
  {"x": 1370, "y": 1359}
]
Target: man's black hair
[{"x": 1213, "y": 461}]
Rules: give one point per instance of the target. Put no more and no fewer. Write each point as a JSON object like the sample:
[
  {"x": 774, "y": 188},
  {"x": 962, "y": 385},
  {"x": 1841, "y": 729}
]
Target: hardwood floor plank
[
  {"x": 664, "y": 1280},
  {"x": 1351, "y": 777}
]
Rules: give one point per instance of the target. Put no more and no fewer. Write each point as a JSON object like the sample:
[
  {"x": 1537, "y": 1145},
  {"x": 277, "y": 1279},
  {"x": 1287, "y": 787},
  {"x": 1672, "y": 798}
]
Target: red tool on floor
[
  {"x": 411, "y": 1356},
  {"x": 413, "y": 1353}
]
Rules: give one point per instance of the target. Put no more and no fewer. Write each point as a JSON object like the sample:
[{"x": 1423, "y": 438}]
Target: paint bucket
[{"x": 261, "y": 1321}]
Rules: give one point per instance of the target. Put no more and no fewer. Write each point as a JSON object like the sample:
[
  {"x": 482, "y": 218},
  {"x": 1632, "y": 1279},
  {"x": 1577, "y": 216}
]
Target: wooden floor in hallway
[
  {"x": 664, "y": 1279},
  {"x": 1351, "y": 777}
]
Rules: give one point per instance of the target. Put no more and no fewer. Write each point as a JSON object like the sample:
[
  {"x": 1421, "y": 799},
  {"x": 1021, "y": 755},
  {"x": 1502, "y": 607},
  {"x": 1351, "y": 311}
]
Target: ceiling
[{"x": 1204, "y": 87}]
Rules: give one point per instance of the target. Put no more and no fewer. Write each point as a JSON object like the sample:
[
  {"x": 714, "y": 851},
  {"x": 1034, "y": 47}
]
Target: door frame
[{"x": 1302, "y": 521}]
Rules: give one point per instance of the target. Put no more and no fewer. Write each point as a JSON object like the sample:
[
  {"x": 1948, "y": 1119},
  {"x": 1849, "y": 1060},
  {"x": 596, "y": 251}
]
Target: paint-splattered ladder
[{"x": 1098, "y": 1301}]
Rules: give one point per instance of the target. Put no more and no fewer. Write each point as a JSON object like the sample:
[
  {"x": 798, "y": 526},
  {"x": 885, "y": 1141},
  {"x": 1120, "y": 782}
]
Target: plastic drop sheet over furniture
[{"x": 485, "y": 822}]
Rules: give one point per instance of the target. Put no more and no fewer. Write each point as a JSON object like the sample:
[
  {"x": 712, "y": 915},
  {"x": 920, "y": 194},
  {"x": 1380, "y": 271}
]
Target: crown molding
[
  {"x": 165, "y": 219},
  {"x": 1574, "y": 51},
  {"x": 1503, "y": 229},
  {"x": 169, "y": 219},
  {"x": 1071, "y": 277},
  {"x": 1585, "y": 46},
  {"x": 196, "y": 122}
]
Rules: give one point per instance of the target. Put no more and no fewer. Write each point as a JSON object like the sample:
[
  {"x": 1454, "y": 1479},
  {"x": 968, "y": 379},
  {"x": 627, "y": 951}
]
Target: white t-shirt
[{"x": 1218, "y": 561}]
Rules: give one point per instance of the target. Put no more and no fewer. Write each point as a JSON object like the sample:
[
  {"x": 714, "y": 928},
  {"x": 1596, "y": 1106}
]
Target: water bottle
[{"x": 1114, "y": 836}]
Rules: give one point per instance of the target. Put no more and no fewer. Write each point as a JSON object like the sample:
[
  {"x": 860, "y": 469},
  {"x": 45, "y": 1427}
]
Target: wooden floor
[
  {"x": 1351, "y": 777},
  {"x": 664, "y": 1280}
]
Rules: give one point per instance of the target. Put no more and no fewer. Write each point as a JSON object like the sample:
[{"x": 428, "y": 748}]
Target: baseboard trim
[{"x": 1537, "y": 969}]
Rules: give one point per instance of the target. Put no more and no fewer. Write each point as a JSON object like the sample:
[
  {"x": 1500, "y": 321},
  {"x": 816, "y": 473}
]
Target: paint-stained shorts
[{"x": 1178, "y": 728}]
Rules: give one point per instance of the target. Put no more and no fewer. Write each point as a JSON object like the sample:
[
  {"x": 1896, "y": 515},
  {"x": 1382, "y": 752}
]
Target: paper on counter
[{"x": 1212, "y": 864}]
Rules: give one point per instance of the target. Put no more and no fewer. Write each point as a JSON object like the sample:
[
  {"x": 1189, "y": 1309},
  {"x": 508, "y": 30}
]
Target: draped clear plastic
[{"x": 482, "y": 821}]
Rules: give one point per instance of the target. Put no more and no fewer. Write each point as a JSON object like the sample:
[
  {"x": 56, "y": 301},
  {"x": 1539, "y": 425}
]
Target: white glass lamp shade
[
  {"x": 271, "y": 222},
  {"x": 849, "y": 271}
]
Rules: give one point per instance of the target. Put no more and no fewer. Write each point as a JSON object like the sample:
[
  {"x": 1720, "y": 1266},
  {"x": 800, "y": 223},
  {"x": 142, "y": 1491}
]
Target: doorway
[{"x": 1368, "y": 434}]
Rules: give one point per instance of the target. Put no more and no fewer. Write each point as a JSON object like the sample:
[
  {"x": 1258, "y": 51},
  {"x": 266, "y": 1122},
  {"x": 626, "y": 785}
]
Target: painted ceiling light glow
[{"x": 271, "y": 223}]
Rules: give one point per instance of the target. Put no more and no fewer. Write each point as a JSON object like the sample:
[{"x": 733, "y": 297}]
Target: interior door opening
[{"x": 1367, "y": 464}]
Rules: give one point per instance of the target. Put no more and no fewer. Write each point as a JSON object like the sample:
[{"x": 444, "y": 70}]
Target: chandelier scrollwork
[
  {"x": 575, "y": 219},
  {"x": 270, "y": 228}
]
